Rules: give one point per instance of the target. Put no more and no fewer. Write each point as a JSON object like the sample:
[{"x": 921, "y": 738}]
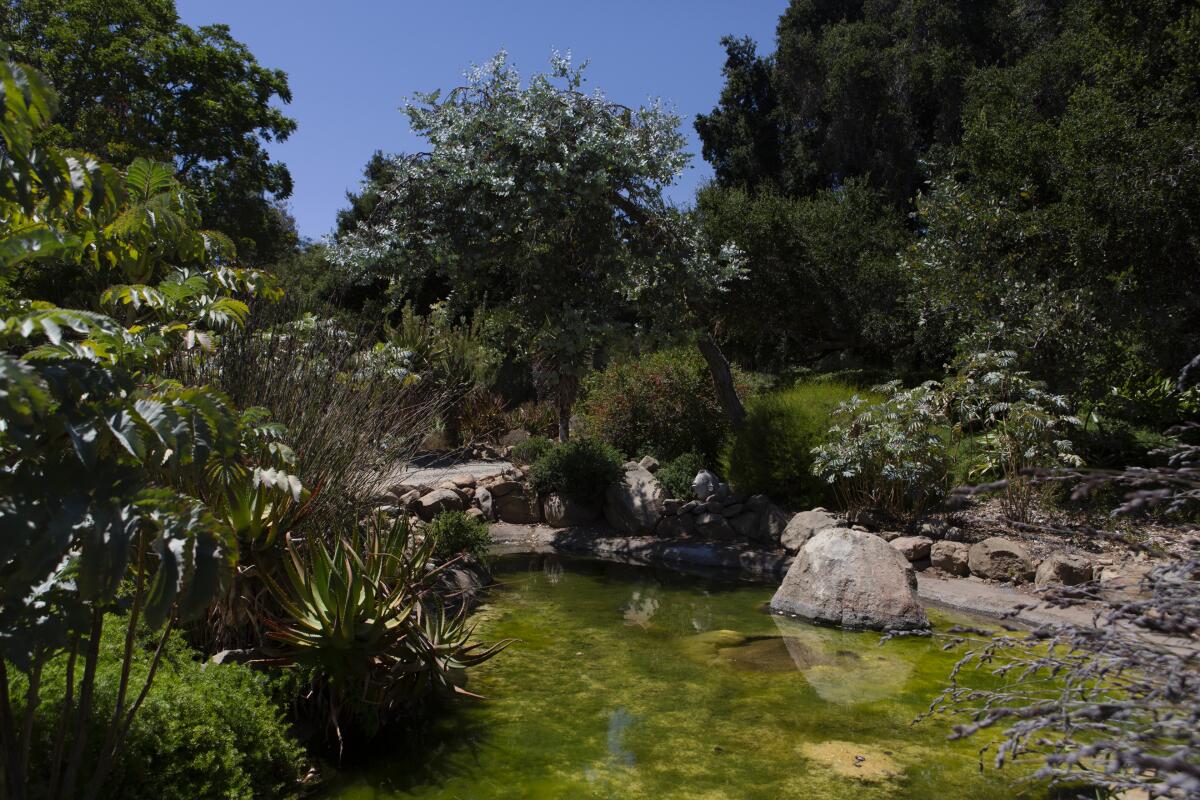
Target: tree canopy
[
  {"x": 133, "y": 81},
  {"x": 1045, "y": 155},
  {"x": 541, "y": 197}
]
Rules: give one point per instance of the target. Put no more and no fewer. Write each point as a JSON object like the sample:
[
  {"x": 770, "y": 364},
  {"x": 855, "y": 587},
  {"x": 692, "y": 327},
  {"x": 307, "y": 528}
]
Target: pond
[{"x": 630, "y": 682}]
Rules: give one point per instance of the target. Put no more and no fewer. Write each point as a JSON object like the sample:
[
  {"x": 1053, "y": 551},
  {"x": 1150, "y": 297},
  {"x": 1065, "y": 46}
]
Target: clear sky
[{"x": 351, "y": 64}]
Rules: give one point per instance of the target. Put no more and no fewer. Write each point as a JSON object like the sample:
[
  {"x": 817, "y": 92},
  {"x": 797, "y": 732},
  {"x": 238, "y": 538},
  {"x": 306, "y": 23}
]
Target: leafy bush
[
  {"x": 773, "y": 453},
  {"x": 662, "y": 403},
  {"x": 540, "y": 419},
  {"x": 530, "y": 450},
  {"x": 890, "y": 455},
  {"x": 118, "y": 486},
  {"x": 455, "y": 532},
  {"x": 361, "y": 616},
  {"x": 204, "y": 730},
  {"x": 581, "y": 469},
  {"x": 1024, "y": 425},
  {"x": 676, "y": 475},
  {"x": 481, "y": 416}
]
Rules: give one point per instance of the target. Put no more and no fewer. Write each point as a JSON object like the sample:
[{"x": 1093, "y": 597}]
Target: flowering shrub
[{"x": 662, "y": 404}]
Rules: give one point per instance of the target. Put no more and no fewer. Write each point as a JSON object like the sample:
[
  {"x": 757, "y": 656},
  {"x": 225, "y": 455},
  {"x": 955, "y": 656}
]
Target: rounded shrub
[
  {"x": 662, "y": 404},
  {"x": 530, "y": 450},
  {"x": 456, "y": 532},
  {"x": 580, "y": 470},
  {"x": 204, "y": 730},
  {"x": 772, "y": 453},
  {"x": 676, "y": 475}
]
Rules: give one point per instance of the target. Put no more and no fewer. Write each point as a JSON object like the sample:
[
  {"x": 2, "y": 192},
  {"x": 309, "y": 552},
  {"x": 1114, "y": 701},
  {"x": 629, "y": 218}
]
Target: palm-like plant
[{"x": 362, "y": 616}]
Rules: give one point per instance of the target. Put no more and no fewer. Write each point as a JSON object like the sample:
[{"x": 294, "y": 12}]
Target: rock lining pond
[{"x": 636, "y": 682}]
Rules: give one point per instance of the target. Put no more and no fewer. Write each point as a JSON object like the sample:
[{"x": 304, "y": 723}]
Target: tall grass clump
[
  {"x": 773, "y": 452},
  {"x": 351, "y": 407}
]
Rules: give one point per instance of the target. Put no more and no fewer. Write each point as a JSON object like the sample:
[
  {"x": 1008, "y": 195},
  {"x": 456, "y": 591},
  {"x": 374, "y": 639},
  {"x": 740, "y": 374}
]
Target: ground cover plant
[{"x": 457, "y": 533}]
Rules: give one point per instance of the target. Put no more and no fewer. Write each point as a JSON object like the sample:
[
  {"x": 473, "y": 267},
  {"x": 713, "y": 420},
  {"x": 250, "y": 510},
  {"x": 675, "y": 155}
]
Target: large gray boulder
[
  {"x": 951, "y": 557},
  {"x": 517, "y": 508},
  {"x": 714, "y": 526},
  {"x": 803, "y": 525},
  {"x": 1001, "y": 559},
  {"x": 852, "y": 579},
  {"x": 563, "y": 512},
  {"x": 1063, "y": 569},
  {"x": 635, "y": 504},
  {"x": 438, "y": 501}
]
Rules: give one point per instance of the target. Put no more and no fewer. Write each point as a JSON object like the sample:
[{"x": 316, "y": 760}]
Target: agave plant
[{"x": 362, "y": 617}]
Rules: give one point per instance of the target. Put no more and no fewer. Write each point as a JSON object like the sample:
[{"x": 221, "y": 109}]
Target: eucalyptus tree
[{"x": 540, "y": 197}]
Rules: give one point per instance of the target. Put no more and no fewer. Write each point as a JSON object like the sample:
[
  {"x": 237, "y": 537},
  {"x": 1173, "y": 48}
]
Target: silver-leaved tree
[{"x": 545, "y": 199}]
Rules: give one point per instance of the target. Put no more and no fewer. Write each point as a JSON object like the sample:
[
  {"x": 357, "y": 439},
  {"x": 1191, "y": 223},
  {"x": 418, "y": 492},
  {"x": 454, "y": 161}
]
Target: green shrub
[
  {"x": 530, "y": 450},
  {"x": 662, "y": 403},
  {"x": 772, "y": 454},
  {"x": 581, "y": 470},
  {"x": 205, "y": 730},
  {"x": 676, "y": 475},
  {"x": 457, "y": 532}
]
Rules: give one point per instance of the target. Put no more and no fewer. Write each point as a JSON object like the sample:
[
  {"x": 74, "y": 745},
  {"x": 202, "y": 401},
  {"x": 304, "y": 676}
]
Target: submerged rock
[
  {"x": 852, "y": 579},
  {"x": 844, "y": 667},
  {"x": 861, "y": 762}
]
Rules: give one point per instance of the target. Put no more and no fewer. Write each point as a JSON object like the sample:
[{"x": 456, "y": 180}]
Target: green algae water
[{"x": 630, "y": 682}]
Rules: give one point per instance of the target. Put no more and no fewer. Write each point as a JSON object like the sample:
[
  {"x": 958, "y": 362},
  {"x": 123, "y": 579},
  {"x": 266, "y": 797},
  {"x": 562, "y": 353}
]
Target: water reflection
[
  {"x": 552, "y": 568},
  {"x": 844, "y": 667},
  {"x": 618, "y": 722}
]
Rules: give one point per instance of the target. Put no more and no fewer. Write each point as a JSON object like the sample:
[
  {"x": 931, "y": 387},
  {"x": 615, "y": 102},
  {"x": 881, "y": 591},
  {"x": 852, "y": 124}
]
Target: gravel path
[{"x": 432, "y": 471}]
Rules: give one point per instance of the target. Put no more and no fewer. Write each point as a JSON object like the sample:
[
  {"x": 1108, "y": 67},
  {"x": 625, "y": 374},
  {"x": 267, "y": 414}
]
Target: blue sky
[{"x": 351, "y": 63}]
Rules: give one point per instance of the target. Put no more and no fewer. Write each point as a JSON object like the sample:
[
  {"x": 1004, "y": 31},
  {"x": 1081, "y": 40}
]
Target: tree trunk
[
  {"x": 723, "y": 380},
  {"x": 568, "y": 387},
  {"x": 564, "y": 424}
]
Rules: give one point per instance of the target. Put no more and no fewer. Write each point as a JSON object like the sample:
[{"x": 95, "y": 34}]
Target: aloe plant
[{"x": 361, "y": 615}]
